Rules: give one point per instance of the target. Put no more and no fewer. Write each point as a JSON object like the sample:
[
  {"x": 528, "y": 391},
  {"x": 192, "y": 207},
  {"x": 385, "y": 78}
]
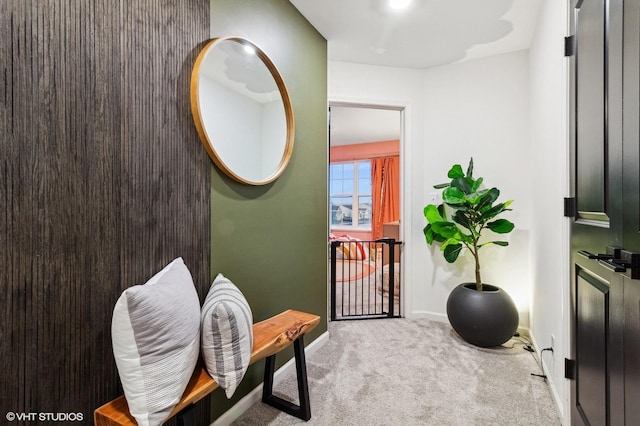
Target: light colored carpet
[
  {"x": 361, "y": 298},
  {"x": 413, "y": 372}
]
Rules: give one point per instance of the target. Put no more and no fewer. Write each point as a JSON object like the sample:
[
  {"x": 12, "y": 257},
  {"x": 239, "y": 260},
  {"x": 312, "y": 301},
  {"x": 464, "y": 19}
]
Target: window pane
[
  {"x": 336, "y": 187},
  {"x": 364, "y": 177},
  {"x": 364, "y": 185},
  {"x": 335, "y": 178},
  {"x": 341, "y": 211},
  {"x": 347, "y": 186},
  {"x": 341, "y": 179},
  {"x": 364, "y": 211},
  {"x": 348, "y": 171},
  {"x": 350, "y": 194},
  {"x": 335, "y": 171},
  {"x": 364, "y": 168}
]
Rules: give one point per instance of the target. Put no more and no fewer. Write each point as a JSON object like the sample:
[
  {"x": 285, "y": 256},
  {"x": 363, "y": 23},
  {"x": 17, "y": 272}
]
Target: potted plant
[{"x": 482, "y": 314}]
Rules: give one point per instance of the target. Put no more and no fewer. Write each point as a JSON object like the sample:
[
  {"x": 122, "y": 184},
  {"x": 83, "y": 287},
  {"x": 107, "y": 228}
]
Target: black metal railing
[{"x": 365, "y": 279}]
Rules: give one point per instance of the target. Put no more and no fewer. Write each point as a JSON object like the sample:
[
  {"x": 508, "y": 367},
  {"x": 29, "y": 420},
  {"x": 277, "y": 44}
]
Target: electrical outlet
[{"x": 433, "y": 198}]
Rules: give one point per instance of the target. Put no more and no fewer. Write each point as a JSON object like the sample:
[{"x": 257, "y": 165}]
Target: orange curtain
[{"x": 385, "y": 181}]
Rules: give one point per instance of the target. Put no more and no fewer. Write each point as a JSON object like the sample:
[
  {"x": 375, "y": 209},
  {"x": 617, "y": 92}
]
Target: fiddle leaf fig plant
[{"x": 465, "y": 213}]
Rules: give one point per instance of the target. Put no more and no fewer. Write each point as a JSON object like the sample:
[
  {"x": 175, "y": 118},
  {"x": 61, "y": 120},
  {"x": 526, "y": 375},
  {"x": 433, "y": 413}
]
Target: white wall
[
  {"x": 478, "y": 109},
  {"x": 550, "y": 247}
]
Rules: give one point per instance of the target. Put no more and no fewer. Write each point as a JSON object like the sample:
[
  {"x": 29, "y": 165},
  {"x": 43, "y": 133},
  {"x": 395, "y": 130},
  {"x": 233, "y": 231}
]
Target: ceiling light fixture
[{"x": 399, "y": 4}]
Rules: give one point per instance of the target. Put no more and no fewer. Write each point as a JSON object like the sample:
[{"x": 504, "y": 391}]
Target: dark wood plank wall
[{"x": 102, "y": 182}]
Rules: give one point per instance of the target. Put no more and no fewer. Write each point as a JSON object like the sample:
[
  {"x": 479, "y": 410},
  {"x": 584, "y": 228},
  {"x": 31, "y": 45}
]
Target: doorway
[{"x": 364, "y": 199}]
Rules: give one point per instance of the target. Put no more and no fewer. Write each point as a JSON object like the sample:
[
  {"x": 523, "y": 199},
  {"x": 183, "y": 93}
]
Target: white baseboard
[
  {"x": 550, "y": 382},
  {"x": 428, "y": 315},
  {"x": 255, "y": 395}
]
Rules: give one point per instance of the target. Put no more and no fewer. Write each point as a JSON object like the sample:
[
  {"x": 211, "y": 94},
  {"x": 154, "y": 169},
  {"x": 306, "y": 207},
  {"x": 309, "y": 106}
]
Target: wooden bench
[{"x": 269, "y": 337}]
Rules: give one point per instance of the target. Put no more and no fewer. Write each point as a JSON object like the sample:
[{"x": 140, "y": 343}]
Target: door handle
[
  {"x": 617, "y": 260},
  {"x": 613, "y": 265},
  {"x": 599, "y": 256}
]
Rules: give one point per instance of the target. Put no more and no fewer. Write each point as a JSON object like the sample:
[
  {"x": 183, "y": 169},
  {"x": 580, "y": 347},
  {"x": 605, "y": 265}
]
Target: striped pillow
[
  {"x": 351, "y": 248},
  {"x": 155, "y": 332},
  {"x": 227, "y": 334}
]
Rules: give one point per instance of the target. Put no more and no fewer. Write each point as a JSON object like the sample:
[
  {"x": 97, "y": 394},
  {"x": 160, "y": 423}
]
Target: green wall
[{"x": 271, "y": 240}]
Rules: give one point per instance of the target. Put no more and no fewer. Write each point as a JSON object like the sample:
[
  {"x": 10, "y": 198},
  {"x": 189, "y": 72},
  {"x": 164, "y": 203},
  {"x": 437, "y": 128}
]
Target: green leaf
[
  {"x": 428, "y": 234},
  {"x": 438, "y": 238},
  {"x": 470, "y": 168},
  {"x": 460, "y": 217},
  {"x": 475, "y": 197},
  {"x": 451, "y": 252},
  {"x": 446, "y": 229},
  {"x": 441, "y": 185},
  {"x": 450, "y": 242},
  {"x": 462, "y": 184},
  {"x": 453, "y": 195},
  {"x": 432, "y": 214},
  {"x": 501, "y": 226},
  {"x": 455, "y": 172},
  {"x": 476, "y": 184},
  {"x": 497, "y": 243},
  {"x": 431, "y": 236},
  {"x": 494, "y": 211},
  {"x": 488, "y": 198}
]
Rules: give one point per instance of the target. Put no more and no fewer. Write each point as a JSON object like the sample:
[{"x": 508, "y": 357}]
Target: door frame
[{"x": 405, "y": 201}]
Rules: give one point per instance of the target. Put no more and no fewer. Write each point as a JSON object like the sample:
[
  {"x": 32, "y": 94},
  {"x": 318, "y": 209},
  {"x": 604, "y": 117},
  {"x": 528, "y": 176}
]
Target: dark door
[
  {"x": 605, "y": 289},
  {"x": 631, "y": 206}
]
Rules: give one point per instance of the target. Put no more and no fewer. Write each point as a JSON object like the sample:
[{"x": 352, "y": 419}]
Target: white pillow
[
  {"x": 227, "y": 334},
  {"x": 155, "y": 332}
]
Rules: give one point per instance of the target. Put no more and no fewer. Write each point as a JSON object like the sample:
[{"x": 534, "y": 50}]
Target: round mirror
[{"x": 242, "y": 110}]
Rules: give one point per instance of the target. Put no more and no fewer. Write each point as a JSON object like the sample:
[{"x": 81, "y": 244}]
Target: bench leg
[
  {"x": 302, "y": 411},
  {"x": 187, "y": 417}
]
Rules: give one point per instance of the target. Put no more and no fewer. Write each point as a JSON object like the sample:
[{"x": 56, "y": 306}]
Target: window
[{"x": 350, "y": 195}]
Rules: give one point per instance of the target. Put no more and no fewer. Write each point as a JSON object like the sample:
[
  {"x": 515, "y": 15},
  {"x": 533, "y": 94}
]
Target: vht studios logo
[{"x": 44, "y": 417}]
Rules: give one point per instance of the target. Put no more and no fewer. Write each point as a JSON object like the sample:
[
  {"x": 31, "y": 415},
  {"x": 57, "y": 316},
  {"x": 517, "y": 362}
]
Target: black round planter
[{"x": 483, "y": 318}]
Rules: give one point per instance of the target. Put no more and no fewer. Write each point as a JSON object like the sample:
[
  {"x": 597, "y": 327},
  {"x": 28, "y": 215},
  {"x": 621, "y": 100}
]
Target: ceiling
[
  {"x": 352, "y": 125},
  {"x": 428, "y": 33}
]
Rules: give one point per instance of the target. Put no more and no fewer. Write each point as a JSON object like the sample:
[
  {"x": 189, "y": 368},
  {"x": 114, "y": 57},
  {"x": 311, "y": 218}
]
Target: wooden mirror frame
[{"x": 196, "y": 109}]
